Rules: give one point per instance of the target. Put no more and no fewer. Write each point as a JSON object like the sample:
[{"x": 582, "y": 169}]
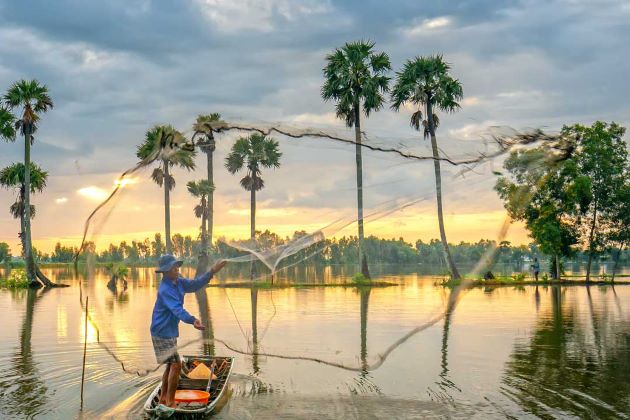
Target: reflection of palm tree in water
[
  {"x": 364, "y": 294},
  {"x": 27, "y": 391},
  {"x": 254, "y": 300},
  {"x": 207, "y": 345},
  {"x": 445, "y": 382}
]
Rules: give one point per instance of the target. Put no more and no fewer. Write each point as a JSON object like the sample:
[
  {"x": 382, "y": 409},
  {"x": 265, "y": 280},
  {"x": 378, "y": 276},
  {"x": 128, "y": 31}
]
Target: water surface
[{"x": 527, "y": 351}]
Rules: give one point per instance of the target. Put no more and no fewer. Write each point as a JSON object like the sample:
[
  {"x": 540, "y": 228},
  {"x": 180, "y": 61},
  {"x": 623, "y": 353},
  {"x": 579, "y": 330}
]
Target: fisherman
[
  {"x": 167, "y": 312},
  {"x": 536, "y": 268}
]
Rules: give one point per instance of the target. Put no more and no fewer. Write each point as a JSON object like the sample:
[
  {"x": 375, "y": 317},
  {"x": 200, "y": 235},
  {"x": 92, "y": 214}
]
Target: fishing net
[{"x": 465, "y": 161}]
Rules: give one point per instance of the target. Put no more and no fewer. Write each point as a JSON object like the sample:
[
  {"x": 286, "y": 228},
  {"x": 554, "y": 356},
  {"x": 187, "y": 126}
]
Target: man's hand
[
  {"x": 198, "y": 325},
  {"x": 218, "y": 266}
]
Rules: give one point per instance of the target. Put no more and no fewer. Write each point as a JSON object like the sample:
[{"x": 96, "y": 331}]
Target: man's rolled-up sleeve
[{"x": 196, "y": 284}]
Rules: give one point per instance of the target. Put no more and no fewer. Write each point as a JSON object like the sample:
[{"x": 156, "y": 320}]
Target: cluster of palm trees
[
  {"x": 20, "y": 111},
  {"x": 356, "y": 79},
  {"x": 252, "y": 153}
]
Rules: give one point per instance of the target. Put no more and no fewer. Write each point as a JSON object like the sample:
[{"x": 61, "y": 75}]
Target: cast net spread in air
[{"x": 390, "y": 158}]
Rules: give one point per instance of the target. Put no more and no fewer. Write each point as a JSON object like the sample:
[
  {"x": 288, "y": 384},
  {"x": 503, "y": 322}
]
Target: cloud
[
  {"x": 61, "y": 200},
  {"x": 428, "y": 25},
  {"x": 93, "y": 193},
  {"x": 258, "y": 15}
]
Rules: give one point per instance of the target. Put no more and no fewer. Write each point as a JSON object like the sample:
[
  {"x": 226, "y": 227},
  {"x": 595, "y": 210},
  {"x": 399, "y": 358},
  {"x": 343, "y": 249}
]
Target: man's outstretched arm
[{"x": 202, "y": 280}]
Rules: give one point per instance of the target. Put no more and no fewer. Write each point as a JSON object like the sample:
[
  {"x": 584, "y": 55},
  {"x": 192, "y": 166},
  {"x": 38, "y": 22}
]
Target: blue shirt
[{"x": 169, "y": 305}]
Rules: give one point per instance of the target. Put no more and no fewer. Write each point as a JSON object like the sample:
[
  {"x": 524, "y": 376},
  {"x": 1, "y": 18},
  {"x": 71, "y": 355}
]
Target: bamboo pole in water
[{"x": 84, "y": 348}]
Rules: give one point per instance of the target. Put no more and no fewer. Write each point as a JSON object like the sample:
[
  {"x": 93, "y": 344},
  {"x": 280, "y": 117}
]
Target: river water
[{"x": 526, "y": 352}]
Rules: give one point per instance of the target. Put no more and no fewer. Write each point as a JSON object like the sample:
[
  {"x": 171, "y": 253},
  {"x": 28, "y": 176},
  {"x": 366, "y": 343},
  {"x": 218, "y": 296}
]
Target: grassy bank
[{"x": 511, "y": 281}]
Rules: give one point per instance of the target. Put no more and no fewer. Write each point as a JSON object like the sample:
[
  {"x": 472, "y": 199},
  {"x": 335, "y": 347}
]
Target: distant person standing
[
  {"x": 167, "y": 313},
  {"x": 536, "y": 268}
]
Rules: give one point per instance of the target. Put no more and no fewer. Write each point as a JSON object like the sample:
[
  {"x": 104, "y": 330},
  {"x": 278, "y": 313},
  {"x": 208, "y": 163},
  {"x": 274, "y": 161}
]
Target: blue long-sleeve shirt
[{"x": 169, "y": 305}]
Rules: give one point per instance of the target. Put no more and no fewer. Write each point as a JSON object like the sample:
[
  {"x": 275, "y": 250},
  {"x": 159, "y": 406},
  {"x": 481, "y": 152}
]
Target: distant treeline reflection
[{"x": 341, "y": 250}]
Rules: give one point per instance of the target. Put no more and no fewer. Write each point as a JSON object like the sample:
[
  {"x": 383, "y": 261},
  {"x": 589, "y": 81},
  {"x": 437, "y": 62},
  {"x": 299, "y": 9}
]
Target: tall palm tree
[
  {"x": 204, "y": 126},
  {"x": 32, "y": 98},
  {"x": 426, "y": 83},
  {"x": 355, "y": 77},
  {"x": 253, "y": 153},
  {"x": 12, "y": 177},
  {"x": 202, "y": 190},
  {"x": 154, "y": 139}
]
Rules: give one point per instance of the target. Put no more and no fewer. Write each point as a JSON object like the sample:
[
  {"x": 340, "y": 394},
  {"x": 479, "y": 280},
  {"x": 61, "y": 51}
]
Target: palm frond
[
  {"x": 7, "y": 125},
  {"x": 13, "y": 176},
  {"x": 416, "y": 119},
  {"x": 354, "y": 74},
  {"x": 425, "y": 79},
  {"x": 28, "y": 94},
  {"x": 158, "y": 176}
]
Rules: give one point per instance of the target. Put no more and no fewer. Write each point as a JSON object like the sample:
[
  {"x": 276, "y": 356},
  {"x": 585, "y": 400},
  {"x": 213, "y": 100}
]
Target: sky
[{"x": 116, "y": 68}]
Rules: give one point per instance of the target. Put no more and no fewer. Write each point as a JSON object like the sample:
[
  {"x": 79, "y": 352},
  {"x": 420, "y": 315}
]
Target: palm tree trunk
[
  {"x": 363, "y": 265},
  {"x": 252, "y": 213},
  {"x": 204, "y": 233},
  {"x": 167, "y": 209},
  {"x": 438, "y": 188},
  {"x": 210, "y": 219},
  {"x": 252, "y": 221},
  {"x": 22, "y": 227},
  {"x": 26, "y": 232},
  {"x": 590, "y": 245}
]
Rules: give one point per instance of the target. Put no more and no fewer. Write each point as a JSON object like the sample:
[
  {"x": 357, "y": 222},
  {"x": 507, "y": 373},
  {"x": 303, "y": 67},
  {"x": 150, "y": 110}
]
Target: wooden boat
[{"x": 221, "y": 367}]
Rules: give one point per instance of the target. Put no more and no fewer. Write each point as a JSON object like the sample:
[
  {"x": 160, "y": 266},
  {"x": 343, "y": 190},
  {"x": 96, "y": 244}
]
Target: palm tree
[
  {"x": 425, "y": 83},
  {"x": 254, "y": 153},
  {"x": 13, "y": 177},
  {"x": 153, "y": 141},
  {"x": 33, "y": 98},
  {"x": 204, "y": 126},
  {"x": 202, "y": 190},
  {"x": 355, "y": 77}
]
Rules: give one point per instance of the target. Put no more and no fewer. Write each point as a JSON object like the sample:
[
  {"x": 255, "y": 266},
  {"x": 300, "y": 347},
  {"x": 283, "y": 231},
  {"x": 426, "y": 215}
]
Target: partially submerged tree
[
  {"x": 425, "y": 82},
  {"x": 155, "y": 138},
  {"x": 253, "y": 153},
  {"x": 355, "y": 78},
  {"x": 32, "y": 99}
]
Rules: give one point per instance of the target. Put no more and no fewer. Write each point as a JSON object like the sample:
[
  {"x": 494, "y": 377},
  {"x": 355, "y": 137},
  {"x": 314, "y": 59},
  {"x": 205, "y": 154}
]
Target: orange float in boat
[{"x": 191, "y": 396}]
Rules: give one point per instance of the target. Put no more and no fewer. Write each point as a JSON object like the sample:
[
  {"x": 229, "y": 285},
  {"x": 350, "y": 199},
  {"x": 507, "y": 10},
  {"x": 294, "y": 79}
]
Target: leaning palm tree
[
  {"x": 253, "y": 153},
  {"x": 202, "y": 190},
  {"x": 12, "y": 177},
  {"x": 204, "y": 127},
  {"x": 154, "y": 139},
  {"x": 355, "y": 78},
  {"x": 32, "y": 98},
  {"x": 426, "y": 83}
]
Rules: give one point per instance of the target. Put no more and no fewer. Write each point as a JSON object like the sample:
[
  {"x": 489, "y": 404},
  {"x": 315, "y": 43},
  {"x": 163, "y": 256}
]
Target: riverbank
[{"x": 508, "y": 281}]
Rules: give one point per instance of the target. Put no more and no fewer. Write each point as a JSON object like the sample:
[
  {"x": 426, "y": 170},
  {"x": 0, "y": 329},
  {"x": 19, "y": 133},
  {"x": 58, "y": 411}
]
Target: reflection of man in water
[
  {"x": 536, "y": 268},
  {"x": 167, "y": 312}
]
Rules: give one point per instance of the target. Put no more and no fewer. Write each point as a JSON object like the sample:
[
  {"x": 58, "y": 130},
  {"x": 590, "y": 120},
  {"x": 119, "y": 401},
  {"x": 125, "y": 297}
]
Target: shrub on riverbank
[{"x": 17, "y": 280}]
